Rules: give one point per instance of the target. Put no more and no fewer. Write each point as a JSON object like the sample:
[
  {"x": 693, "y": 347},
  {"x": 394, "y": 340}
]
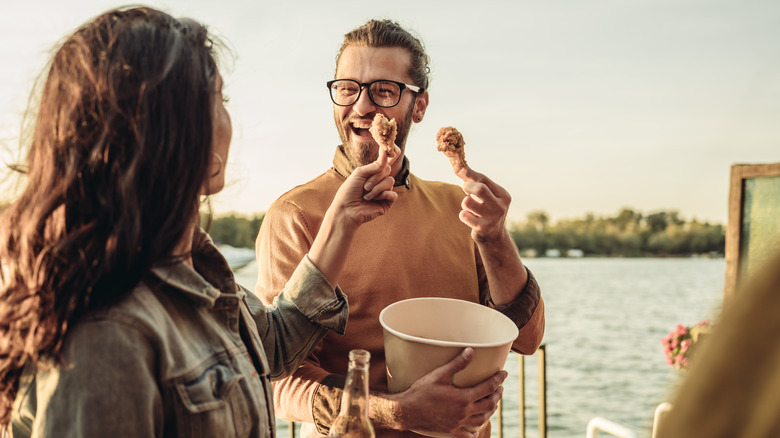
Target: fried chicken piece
[
  {"x": 384, "y": 132},
  {"x": 450, "y": 141}
]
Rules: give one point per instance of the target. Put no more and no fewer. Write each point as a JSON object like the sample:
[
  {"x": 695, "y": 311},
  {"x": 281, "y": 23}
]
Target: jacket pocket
[{"x": 215, "y": 404}]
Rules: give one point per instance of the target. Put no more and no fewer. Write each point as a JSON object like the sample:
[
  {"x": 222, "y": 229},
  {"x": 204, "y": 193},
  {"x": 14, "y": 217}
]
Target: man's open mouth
[{"x": 360, "y": 128}]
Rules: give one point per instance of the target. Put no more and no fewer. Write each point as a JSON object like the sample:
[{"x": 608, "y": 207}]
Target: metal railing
[{"x": 541, "y": 355}]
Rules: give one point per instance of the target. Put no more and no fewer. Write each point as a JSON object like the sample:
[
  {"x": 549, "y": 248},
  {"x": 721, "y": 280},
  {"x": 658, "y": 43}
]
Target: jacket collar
[{"x": 208, "y": 281}]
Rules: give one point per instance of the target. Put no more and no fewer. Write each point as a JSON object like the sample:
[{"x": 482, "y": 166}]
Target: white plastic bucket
[{"x": 422, "y": 334}]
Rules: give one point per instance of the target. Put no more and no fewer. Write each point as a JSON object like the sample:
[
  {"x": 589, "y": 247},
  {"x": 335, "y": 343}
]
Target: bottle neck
[{"x": 355, "y": 398}]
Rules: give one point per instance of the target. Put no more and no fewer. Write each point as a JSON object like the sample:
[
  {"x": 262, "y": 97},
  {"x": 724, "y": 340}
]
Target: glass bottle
[{"x": 352, "y": 421}]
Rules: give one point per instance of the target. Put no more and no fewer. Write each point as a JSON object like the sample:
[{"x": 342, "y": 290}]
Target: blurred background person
[{"x": 732, "y": 389}]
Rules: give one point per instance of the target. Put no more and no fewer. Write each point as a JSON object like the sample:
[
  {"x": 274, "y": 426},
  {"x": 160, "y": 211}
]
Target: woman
[{"x": 118, "y": 316}]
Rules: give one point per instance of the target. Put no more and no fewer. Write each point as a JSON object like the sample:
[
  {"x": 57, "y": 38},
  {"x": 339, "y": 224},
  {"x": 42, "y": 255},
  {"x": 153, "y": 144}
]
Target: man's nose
[{"x": 364, "y": 105}]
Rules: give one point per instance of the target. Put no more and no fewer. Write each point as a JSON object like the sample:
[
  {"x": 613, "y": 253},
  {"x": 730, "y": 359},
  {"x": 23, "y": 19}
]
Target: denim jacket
[{"x": 189, "y": 354}]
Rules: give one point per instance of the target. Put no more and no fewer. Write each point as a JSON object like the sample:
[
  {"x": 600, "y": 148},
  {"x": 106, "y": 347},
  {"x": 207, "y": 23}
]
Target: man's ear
[{"x": 420, "y": 104}]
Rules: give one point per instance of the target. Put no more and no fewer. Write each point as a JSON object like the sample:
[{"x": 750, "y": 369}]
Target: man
[{"x": 435, "y": 242}]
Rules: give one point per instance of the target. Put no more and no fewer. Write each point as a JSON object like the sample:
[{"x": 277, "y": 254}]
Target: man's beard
[{"x": 362, "y": 153}]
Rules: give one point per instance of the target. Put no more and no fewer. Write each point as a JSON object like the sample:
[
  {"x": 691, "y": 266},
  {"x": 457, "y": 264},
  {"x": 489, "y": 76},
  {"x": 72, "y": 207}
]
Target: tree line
[
  {"x": 629, "y": 233},
  {"x": 233, "y": 229}
]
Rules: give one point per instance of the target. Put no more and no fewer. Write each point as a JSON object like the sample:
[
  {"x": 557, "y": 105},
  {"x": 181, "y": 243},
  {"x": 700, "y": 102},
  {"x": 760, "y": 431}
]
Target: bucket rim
[{"x": 441, "y": 343}]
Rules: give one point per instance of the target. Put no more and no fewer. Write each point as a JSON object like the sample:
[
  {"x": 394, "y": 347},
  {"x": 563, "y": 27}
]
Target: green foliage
[
  {"x": 628, "y": 234},
  {"x": 235, "y": 230}
]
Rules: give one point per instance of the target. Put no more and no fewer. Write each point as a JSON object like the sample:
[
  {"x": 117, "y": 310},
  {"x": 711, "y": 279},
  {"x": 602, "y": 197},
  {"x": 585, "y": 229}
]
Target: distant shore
[{"x": 629, "y": 233}]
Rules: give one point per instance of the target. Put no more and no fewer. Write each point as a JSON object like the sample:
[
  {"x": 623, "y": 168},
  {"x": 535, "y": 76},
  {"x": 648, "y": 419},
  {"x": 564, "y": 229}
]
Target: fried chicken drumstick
[
  {"x": 384, "y": 132},
  {"x": 450, "y": 141}
]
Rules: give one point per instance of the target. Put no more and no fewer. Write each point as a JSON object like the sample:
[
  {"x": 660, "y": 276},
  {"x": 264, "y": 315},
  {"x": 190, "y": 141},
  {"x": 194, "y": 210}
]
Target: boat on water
[{"x": 237, "y": 258}]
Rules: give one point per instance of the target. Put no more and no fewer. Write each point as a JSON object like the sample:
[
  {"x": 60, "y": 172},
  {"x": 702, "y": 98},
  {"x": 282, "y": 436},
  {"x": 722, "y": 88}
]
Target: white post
[
  {"x": 598, "y": 423},
  {"x": 658, "y": 417}
]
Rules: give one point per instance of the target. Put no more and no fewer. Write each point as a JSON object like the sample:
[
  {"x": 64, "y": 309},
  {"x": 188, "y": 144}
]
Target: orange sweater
[{"x": 419, "y": 248}]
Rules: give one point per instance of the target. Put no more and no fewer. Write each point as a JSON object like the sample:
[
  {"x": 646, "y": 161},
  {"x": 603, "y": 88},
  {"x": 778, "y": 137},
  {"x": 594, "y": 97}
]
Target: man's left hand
[{"x": 485, "y": 207}]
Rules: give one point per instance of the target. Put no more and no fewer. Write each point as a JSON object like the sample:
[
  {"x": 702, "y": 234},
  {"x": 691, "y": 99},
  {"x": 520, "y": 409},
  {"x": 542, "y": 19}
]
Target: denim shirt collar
[
  {"x": 343, "y": 167},
  {"x": 211, "y": 277}
]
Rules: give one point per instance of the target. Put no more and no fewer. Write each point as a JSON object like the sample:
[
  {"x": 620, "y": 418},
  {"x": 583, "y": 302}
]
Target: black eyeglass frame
[{"x": 413, "y": 88}]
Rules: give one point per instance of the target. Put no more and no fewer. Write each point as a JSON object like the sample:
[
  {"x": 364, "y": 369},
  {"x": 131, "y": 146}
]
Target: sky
[{"x": 573, "y": 106}]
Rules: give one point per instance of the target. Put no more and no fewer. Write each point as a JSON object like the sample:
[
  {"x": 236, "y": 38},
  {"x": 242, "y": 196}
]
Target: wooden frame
[{"x": 734, "y": 230}]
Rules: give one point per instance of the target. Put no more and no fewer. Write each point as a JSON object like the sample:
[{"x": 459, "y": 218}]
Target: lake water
[{"x": 605, "y": 319}]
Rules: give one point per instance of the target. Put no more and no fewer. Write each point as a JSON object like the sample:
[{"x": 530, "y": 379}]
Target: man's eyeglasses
[{"x": 384, "y": 93}]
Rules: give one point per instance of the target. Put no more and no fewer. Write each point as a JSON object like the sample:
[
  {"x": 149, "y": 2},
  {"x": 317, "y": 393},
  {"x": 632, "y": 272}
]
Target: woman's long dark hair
[{"x": 119, "y": 151}]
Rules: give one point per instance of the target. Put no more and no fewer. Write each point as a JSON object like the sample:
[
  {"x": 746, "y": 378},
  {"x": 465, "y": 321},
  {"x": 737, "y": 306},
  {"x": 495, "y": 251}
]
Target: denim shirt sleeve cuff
[
  {"x": 313, "y": 295},
  {"x": 326, "y": 403},
  {"x": 523, "y": 307}
]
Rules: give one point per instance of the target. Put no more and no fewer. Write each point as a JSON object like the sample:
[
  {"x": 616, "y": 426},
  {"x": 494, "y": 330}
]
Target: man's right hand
[{"x": 433, "y": 404}]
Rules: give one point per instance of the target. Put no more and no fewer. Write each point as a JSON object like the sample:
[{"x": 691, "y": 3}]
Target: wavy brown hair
[
  {"x": 387, "y": 33},
  {"x": 119, "y": 151}
]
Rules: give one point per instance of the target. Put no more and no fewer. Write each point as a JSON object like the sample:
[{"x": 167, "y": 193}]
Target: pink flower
[{"x": 677, "y": 345}]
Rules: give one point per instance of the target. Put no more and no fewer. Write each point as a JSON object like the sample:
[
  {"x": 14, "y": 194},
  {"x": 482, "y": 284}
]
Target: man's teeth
[{"x": 361, "y": 128}]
